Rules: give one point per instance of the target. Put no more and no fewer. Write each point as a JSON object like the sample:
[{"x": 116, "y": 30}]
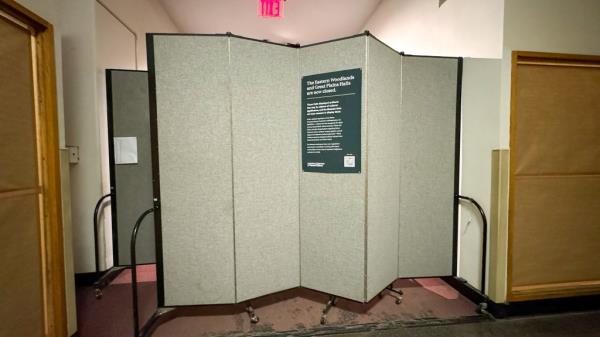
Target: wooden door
[
  {"x": 32, "y": 279},
  {"x": 554, "y": 212}
]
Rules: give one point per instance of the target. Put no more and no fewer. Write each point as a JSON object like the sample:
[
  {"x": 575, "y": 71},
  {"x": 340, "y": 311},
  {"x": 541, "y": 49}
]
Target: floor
[
  {"x": 584, "y": 324},
  {"x": 429, "y": 308}
]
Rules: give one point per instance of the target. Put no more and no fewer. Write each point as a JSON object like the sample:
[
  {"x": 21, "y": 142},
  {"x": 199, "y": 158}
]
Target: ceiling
[{"x": 304, "y": 21}]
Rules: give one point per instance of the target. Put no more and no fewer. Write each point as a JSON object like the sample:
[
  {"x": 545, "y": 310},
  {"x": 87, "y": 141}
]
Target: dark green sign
[{"x": 331, "y": 114}]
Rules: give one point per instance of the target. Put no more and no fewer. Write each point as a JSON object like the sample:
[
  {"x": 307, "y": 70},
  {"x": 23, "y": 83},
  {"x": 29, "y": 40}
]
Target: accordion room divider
[{"x": 330, "y": 166}]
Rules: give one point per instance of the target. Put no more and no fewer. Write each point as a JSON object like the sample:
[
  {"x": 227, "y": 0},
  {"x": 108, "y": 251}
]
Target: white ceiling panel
[{"x": 304, "y": 21}]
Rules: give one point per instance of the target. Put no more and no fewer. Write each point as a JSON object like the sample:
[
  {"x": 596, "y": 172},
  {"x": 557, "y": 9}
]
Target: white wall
[
  {"x": 84, "y": 53},
  {"x": 548, "y": 26},
  {"x": 304, "y": 21},
  {"x": 121, "y": 28},
  {"x": 480, "y": 135},
  {"x": 470, "y": 28},
  {"x": 81, "y": 123},
  {"x": 115, "y": 49},
  {"x": 142, "y": 16}
]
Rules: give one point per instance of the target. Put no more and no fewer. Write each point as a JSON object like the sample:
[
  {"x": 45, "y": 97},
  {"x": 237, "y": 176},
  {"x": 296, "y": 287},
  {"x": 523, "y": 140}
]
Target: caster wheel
[
  {"x": 98, "y": 293},
  {"x": 254, "y": 320},
  {"x": 482, "y": 308},
  {"x": 398, "y": 300},
  {"x": 323, "y": 321}
]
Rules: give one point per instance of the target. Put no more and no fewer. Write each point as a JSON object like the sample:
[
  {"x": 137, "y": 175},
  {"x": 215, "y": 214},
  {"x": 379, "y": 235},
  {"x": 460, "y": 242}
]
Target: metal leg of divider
[
  {"x": 104, "y": 280},
  {"x": 134, "y": 287},
  {"x": 397, "y": 294},
  {"x": 484, "y": 239},
  {"x": 482, "y": 307},
  {"x": 328, "y": 306},
  {"x": 147, "y": 329},
  {"x": 96, "y": 245},
  {"x": 250, "y": 310}
]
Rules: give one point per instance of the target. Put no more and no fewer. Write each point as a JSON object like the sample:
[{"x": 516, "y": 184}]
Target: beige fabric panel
[
  {"x": 194, "y": 150},
  {"x": 21, "y": 276},
  {"x": 427, "y": 156},
  {"x": 266, "y": 167},
  {"x": 17, "y": 119},
  {"x": 558, "y": 120},
  {"x": 332, "y": 206},
  {"x": 384, "y": 92},
  {"x": 556, "y": 229}
]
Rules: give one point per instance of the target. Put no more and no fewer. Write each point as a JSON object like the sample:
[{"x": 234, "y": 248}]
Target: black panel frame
[
  {"x": 111, "y": 160},
  {"x": 111, "y": 165},
  {"x": 457, "y": 154},
  {"x": 160, "y": 284}
]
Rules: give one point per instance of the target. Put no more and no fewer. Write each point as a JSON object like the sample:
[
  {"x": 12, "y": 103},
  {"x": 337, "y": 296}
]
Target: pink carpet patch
[
  {"x": 439, "y": 287},
  {"x": 145, "y": 273}
]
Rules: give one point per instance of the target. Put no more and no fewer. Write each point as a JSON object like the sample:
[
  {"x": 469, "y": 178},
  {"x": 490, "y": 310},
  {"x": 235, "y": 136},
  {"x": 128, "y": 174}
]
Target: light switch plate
[{"x": 73, "y": 154}]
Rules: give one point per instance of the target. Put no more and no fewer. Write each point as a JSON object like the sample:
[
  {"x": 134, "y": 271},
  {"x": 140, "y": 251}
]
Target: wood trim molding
[
  {"x": 52, "y": 232},
  {"x": 557, "y": 290},
  {"x": 511, "y": 170},
  {"x": 25, "y": 15},
  {"x": 540, "y": 291},
  {"x": 498, "y": 226},
  {"x": 555, "y": 57},
  {"x": 20, "y": 192}
]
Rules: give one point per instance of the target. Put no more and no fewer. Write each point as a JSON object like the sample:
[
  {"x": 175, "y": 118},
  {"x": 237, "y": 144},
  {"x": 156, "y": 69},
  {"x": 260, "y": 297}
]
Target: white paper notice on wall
[{"x": 125, "y": 150}]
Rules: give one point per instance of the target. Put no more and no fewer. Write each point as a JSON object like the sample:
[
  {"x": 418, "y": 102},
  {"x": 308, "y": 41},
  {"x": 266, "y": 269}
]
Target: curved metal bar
[
  {"x": 136, "y": 319},
  {"x": 484, "y": 239},
  {"x": 96, "y": 246}
]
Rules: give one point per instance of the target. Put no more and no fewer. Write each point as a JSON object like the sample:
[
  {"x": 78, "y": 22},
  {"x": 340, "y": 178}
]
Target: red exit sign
[{"x": 270, "y": 8}]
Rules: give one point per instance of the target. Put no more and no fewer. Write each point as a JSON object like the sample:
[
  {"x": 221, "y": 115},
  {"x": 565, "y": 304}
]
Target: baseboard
[
  {"x": 534, "y": 307},
  {"x": 554, "y": 290},
  {"x": 548, "y": 306}
]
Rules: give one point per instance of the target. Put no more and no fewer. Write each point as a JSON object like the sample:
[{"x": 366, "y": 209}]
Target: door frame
[
  {"x": 553, "y": 290},
  {"x": 42, "y": 31}
]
